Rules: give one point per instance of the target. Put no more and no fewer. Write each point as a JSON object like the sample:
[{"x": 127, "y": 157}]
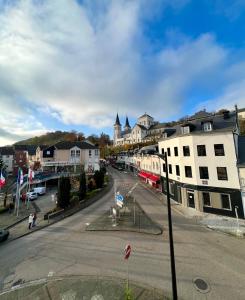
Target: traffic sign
[
  {"x": 127, "y": 251},
  {"x": 119, "y": 200}
]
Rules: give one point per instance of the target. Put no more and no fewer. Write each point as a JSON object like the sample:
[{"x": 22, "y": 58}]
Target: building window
[
  {"x": 90, "y": 153},
  {"x": 164, "y": 168},
  {"x": 72, "y": 152},
  {"x": 162, "y": 150},
  {"x": 186, "y": 150},
  {"x": 185, "y": 129},
  {"x": 170, "y": 168},
  {"x": 177, "y": 170},
  {"x": 225, "y": 201},
  {"x": 156, "y": 165},
  {"x": 201, "y": 150},
  {"x": 219, "y": 150},
  {"x": 176, "y": 151},
  {"x": 206, "y": 199},
  {"x": 171, "y": 188},
  {"x": 207, "y": 126},
  {"x": 48, "y": 152},
  {"x": 77, "y": 153},
  {"x": 222, "y": 173},
  {"x": 96, "y": 152},
  {"x": 203, "y": 172},
  {"x": 188, "y": 172},
  {"x": 169, "y": 152}
]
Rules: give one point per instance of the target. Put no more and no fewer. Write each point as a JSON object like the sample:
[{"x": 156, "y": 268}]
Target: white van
[{"x": 41, "y": 190}]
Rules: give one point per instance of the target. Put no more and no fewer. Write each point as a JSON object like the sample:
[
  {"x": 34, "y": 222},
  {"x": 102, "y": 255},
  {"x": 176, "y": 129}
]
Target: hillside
[{"x": 51, "y": 138}]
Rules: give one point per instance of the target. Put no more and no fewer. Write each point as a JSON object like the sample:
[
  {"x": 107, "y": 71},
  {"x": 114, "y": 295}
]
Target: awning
[
  {"x": 144, "y": 174},
  {"x": 154, "y": 178}
]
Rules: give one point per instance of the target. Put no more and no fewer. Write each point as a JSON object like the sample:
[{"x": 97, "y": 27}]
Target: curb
[{"x": 106, "y": 190}]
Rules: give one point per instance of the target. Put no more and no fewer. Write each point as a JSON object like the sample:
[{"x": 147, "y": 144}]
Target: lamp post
[{"x": 170, "y": 230}]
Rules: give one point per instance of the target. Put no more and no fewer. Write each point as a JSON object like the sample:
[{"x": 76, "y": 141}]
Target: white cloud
[{"x": 82, "y": 63}]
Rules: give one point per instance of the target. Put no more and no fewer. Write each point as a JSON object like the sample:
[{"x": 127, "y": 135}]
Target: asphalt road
[{"x": 65, "y": 248}]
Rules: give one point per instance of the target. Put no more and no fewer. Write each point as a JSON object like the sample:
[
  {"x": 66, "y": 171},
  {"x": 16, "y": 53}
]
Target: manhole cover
[
  {"x": 18, "y": 282},
  {"x": 201, "y": 285}
]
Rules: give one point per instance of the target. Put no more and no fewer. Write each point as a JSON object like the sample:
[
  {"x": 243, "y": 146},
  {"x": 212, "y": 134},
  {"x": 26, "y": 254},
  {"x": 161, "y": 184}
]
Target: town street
[{"x": 66, "y": 248}]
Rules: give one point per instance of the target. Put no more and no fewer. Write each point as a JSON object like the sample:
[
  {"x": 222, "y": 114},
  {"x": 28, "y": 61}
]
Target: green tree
[
  {"x": 99, "y": 179},
  {"x": 82, "y": 186},
  {"x": 64, "y": 189}
]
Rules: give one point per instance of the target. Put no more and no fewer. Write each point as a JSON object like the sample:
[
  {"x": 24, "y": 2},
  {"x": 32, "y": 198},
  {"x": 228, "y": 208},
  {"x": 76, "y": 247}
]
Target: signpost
[
  {"x": 127, "y": 252},
  {"x": 119, "y": 200}
]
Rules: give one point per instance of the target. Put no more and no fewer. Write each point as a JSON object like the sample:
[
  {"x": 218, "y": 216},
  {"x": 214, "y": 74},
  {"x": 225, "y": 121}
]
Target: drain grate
[{"x": 201, "y": 285}]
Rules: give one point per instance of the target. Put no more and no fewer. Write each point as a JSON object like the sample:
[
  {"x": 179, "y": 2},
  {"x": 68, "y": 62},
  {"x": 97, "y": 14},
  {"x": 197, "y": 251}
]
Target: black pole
[{"x": 171, "y": 243}]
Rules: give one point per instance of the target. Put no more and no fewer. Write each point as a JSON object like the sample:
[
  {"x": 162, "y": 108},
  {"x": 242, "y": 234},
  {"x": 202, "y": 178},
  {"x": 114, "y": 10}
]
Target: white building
[
  {"x": 202, "y": 164},
  {"x": 146, "y": 129},
  {"x": 71, "y": 156}
]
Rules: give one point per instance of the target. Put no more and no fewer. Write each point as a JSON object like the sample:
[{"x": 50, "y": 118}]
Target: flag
[
  {"x": 20, "y": 179},
  {"x": 2, "y": 180},
  {"x": 31, "y": 174}
]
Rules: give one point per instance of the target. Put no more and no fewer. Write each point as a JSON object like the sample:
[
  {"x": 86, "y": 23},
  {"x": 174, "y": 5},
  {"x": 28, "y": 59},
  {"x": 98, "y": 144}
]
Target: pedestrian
[
  {"x": 34, "y": 219},
  {"x": 30, "y": 220}
]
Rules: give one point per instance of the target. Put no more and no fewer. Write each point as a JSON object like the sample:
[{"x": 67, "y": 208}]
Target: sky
[{"x": 75, "y": 64}]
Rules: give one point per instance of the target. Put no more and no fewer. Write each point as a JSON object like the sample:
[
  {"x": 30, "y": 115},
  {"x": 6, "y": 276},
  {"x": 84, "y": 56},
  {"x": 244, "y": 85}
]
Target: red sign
[{"x": 127, "y": 251}]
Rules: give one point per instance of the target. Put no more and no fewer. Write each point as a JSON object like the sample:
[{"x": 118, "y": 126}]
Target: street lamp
[{"x": 171, "y": 243}]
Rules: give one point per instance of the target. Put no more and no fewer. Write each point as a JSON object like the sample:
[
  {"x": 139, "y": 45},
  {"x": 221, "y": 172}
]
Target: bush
[
  {"x": 74, "y": 200},
  {"x": 82, "y": 187},
  {"x": 99, "y": 179},
  {"x": 64, "y": 189}
]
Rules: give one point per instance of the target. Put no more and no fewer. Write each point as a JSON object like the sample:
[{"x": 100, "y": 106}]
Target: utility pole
[{"x": 171, "y": 243}]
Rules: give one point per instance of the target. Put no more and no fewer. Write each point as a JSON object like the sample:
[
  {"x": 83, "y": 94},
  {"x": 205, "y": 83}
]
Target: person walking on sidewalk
[
  {"x": 34, "y": 219},
  {"x": 30, "y": 220}
]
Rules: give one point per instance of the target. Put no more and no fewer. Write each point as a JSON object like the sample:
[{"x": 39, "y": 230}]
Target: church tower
[
  {"x": 117, "y": 130},
  {"x": 127, "y": 127}
]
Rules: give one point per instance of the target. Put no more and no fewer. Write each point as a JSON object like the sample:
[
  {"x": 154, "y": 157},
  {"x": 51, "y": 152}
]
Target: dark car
[{"x": 3, "y": 235}]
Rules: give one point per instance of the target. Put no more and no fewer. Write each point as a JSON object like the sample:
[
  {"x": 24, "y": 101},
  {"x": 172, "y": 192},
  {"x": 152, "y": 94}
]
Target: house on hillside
[{"x": 70, "y": 156}]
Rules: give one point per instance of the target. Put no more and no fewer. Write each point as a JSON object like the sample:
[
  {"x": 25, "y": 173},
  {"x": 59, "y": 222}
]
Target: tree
[
  {"x": 99, "y": 179},
  {"x": 64, "y": 189},
  {"x": 83, "y": 186}
]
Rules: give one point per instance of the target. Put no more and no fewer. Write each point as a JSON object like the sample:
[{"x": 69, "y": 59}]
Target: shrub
[
  {"x": 64, "y": 189},
  {"x": 99, "y": 179}
]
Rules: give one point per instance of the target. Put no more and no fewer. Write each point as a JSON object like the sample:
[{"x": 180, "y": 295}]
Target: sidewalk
[
  {"x": 216, "y": 222},
  {"x": 8, "y": 220}
]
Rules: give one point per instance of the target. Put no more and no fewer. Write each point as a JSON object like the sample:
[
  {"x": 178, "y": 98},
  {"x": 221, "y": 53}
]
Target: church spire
[
  {"x": 127, "y": 123},
  {"x": 117, "y": 121}
]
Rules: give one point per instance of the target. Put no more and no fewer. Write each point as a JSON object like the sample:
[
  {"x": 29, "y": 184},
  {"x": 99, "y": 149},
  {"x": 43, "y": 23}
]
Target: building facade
[
  {"x": 70, "y": 156},
  {"x": 202, "y": 164},
  {"x": 7, "y": 155}
]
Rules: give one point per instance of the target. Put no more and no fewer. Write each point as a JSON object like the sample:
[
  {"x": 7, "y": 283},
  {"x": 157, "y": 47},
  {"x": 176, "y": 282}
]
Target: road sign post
[{"x": 127, "y": 252}]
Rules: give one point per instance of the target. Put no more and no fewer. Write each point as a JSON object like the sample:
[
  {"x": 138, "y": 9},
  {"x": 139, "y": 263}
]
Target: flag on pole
[
  {"x": 31, "y": 174},
  {"x": 20, "y": 179},
  {"x": 2, "y": 180}
]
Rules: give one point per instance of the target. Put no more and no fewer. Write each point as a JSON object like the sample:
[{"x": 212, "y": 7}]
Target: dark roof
[
  {"x": 117, "y": 121},
  {"x": 6, "y": 151},
  {"x": 200, "y": 114},
  {"x": 157, "y": 126},
  {"x": 31, "y": 149},
  {"x": 241, "y": 150},
  {"x": 145, "y": 115},
  {"x": 42, "y": 147},
  {"x": 241, "y": 109},
  {"x": 126, "y": 132},
  {"x": 220, "y": 123},
  {"x": 127, "y": 123},
  {"x": 141, "y": 126},
  {"x": 79, "y": 144}
]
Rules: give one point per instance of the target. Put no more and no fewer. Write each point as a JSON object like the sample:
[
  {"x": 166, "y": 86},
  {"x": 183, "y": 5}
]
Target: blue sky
[{"x": 72, "y": 65}]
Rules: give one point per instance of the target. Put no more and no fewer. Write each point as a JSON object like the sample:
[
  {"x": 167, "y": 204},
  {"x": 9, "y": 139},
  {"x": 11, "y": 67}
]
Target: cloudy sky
[{"x": 69, "y": 64}]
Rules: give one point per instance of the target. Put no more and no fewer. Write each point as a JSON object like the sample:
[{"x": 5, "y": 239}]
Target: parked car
[
  {"x": 41, "y": 190},
  {"x": 31, "y": 195},
  {"x": 3, "y": 235}
]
